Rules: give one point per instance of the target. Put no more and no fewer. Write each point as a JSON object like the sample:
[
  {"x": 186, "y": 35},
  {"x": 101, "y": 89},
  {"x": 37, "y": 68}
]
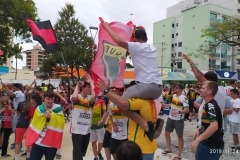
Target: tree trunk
[{"x": 78, "y": 72}]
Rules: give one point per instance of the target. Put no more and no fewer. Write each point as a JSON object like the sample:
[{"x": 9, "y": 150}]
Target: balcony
[
  {"x": 215, "y": 67},
  {"x": 215, "y": 55},
  {"x": 225, "y": 56},
  {"x": 226, "y": 68},
  {"x": 226, "y": 46},
  {"x": 215, "y": 20}
]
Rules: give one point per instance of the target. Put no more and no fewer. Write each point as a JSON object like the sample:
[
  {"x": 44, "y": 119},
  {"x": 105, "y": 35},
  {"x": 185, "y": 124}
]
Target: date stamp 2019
[{"x": 223, "y": 151}]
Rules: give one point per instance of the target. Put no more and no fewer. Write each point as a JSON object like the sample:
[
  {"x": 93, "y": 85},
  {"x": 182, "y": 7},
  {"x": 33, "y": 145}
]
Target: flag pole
[{"x": 65, "y": 67}]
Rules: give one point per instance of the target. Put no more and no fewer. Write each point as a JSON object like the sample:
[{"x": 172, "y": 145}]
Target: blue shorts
[
  {"x": 204, "y": 151},
  {"x": 148, "y": 156}
]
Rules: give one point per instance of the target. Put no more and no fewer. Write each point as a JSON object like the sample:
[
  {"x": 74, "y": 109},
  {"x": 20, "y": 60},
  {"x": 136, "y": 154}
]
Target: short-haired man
[
  {"x": 45, "y": 132},
  {"x": 81, "y": 117},
  {"x": 17, "y": 94},
  {"x": 148, "y": 79},
  {"x": 210, "y": 142},
  {"x": 234, "y": 119},
  {"x": 179, "y": 107},
  {"x": 146, "y": 109}
]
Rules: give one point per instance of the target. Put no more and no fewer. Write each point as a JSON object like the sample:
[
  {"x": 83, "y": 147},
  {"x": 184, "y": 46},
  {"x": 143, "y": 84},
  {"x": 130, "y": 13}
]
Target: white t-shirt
[
  {"x": 120, "y": 121},
  {"x": 220, "y": 97},
  {"x": 81, "y": 115},
  {"x": 235, "y": 116},
  {"x": 178, "y": 104},
  {"x": 145, "y": 61},
  {"x": 19, "y": 97}
]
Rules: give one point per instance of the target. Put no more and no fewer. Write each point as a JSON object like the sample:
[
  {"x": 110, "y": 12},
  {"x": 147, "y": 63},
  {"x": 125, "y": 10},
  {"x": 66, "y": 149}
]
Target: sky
[{"x": 89, "y": 11}]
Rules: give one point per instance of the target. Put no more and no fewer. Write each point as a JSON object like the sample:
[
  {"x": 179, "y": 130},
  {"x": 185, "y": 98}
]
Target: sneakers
[
  {"x": 158, "y": 128},
  {"x": 100, "y": 156},
  {"x": 6, "y": 155},
  {"x": 24, "y": 154},
  {"x": 150, "y": 132},
  {"x": 58, "y": 156}
]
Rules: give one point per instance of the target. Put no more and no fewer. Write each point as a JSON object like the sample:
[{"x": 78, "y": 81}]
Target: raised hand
[
  {"x": 102, "y": 85},
  {"x": 184, "y": 56}
]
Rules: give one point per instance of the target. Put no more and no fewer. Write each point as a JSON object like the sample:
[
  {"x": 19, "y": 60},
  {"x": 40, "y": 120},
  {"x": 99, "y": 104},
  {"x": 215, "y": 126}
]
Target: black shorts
[
  {"x": 114, "y": 144},
  {"x": 191, "y": 107},
  {"x": 106, "y": 139}
]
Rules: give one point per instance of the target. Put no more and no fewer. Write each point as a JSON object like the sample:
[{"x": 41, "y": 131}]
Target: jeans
[
  {"x": 208, "y": 153},
  {"x": 80, "y": 145},
  {"x": 148, "y": 156},
  {"x": 7, "y": 133},
  {"x": 37, "y": 152}
]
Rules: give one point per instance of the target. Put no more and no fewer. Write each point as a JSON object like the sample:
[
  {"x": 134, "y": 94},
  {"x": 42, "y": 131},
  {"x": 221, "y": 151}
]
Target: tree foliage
[
  {"x": 223, "y": 34},
  {"x": 75, "y": 44},
  {"x": 12, "y": 23}
]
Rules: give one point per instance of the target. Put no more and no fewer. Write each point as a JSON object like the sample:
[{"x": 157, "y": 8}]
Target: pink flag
[
  {"x": 110, "y": 60},
  {"x": 1, "y": 52}
]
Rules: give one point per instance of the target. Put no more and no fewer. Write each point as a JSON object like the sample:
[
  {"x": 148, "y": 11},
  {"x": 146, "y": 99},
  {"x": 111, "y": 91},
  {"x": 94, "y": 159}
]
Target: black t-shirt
[
  {"x": 211, "y": 112},
  {"x": 24, "y": 118},
  {"x": 192, "y": 95}
]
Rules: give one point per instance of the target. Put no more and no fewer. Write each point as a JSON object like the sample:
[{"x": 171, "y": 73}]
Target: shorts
[
  {"x": 234, "y": 128},
  {"x": 19, "y": 132},
  {"x": 107, "y": 139},
  {"x": 191, "y": 107},
  {"x": 114, "y": 144},
  {"x": 144, "y": 91},
  {"x": 97, "y": 135},
  {"x": 178, "y": 125}
]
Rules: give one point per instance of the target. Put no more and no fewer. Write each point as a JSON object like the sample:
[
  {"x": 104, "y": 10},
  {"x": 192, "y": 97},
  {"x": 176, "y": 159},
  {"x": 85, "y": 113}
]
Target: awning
[
  {"x": 174, "y": 77},
  {"x": 226, "y": 75}
]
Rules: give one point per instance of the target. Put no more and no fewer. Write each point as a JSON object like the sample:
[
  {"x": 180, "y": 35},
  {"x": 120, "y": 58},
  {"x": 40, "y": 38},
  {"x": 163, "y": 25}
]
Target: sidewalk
[{"x": 66, "y": 149}]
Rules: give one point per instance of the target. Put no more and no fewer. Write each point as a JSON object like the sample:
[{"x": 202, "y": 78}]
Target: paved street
[{"x": 66, "y": 149}]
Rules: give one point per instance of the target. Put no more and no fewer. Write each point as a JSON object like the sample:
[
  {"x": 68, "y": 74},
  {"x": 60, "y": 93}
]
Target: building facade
[
  {"x": 181, "y": 33},
  {"x": 34, "y": 57}
]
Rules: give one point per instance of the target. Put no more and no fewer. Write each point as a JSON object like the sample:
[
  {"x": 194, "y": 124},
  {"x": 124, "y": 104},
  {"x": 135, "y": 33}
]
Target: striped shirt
[{"x": 178, "y": 104}]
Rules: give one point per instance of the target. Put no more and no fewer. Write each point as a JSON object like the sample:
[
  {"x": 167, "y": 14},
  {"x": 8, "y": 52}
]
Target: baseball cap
[
  {"x": 140, "y": 33},
  {"x": 4, "y": 94}
]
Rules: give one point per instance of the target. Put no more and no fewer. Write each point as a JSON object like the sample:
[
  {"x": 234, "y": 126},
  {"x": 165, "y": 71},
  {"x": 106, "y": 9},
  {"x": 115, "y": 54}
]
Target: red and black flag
[{"x": 43, "y": 33}]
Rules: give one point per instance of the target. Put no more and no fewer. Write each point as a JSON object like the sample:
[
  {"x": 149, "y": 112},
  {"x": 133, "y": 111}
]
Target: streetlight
[
  {"x": 136, "y": 16},
  {"x": 93, "y": 39}
]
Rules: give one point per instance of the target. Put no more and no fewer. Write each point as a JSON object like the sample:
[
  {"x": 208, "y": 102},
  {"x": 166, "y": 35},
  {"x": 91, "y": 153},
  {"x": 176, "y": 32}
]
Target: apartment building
[
  {"x": 34, "y": 57},
  {"x": 181, "y": 33}
]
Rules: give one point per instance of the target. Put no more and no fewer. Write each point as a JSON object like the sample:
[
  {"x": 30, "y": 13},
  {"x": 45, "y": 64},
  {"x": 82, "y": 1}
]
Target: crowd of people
[{"x": 122, "y": 120}]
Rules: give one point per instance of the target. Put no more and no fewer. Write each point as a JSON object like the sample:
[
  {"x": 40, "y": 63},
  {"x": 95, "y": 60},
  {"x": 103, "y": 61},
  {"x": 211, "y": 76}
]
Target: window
[
  {"x": 173, "y": 25},
  {"x": 172, "y": 45},
  {"x": 176, "y": 34},
  {"x": 162, "y": 35},
  {"x": 172, "y": 65},
  {"x": 193, "y": 27},
  {"x": 179, "y": 54},
  {"x": 224, "y": 19},
  {"x": 164, "y": 25},
  {"x": 205, "y": 1},
  {"x": 180, "y": 44},
  {"x": 179, "y": 64},
  {"x": 223, "y": 51},
  {"x": 177, "y": 24},
  {"x": 212, "y": 15},
  {"x": 175, "y": 44},
  {"x": 193, "y": 15},
  {"x": 172, "y": 35},
  {"x": 172, "y": 55}
]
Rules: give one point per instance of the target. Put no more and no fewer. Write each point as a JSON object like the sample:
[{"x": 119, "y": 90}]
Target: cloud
[{"x": 88, "y": 11}]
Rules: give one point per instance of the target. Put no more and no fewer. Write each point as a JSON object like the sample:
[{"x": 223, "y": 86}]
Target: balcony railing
[
  {"x": 215, "y": 55},
  {"x": 215, "y": 20},
  {"x": 224, "y": 45},
  {"x": 225, "y": 68},
  {"x": 225, "y": 56}
]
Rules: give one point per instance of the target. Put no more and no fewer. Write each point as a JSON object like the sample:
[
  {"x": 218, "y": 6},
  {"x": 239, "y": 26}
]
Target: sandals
[
  {"x": 176, "y": 158},
  {"x": 165, "y": 152}
]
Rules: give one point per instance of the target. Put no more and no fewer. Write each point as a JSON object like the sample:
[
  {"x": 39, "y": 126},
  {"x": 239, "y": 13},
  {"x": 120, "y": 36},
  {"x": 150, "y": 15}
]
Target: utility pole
[{"x": 163, "y": 49}]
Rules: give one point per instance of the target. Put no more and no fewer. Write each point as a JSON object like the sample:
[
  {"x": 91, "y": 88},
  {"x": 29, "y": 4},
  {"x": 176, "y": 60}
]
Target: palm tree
[{"x": 16, "y": 51}]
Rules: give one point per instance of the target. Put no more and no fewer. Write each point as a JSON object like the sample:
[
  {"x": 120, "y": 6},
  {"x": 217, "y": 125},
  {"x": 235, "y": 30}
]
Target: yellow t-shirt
[{"x": 147, "y": 110}]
